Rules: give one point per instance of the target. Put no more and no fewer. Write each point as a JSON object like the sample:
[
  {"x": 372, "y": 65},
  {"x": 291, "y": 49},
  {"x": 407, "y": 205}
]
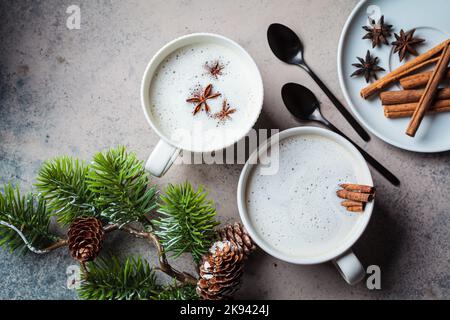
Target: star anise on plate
[
  {"x": 405, "y": 43},
  {"x": 378, "y": 32},
  {"x": 214, "y": 68},
  {"x": 201, "y": 99},
  {"x": 367, "y": 67},
  {"x": 225, "y": 113}
]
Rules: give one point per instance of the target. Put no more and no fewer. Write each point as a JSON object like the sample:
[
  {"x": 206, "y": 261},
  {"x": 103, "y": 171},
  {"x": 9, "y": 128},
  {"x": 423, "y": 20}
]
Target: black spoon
[
  {"x": 287, "y": 47},
  {"x": 303, "y": 104}
]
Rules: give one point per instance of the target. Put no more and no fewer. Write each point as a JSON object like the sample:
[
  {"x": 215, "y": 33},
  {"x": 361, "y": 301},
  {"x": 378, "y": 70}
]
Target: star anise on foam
[
  {"x": 225, "y": 113},
  {"x": 378, "y": 32},
  {"x": 214, "y": 68},
  {"x": 405, "y": 43},
  {"x": 201, "y": 99},
  {"x": 367, "y": 67}
]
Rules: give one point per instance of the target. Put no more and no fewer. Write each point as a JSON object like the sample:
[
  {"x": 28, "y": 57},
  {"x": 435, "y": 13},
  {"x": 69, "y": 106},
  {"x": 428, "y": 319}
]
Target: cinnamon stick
[
  {"x": 359, "y": 208},
  {"x": 407, "y": 109},
  {"x": 405, "y": 69},
  {"x": 418, "y": 80},
  {"x": 357, "y": 187},
  {"x": 356, "y": 196},
  {"x": 409, "y": 96},
  {"x": 430, "y": 91},
  {"x": 351, "y": 203}
]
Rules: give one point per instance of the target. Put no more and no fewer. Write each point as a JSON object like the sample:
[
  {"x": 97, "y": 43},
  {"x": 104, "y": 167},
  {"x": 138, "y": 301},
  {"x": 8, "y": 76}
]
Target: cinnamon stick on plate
[
  {"x": 430, "y": 91},
  {"x": 409, "y": 96},
  {"x": 418, "y": 80},
  {"x": 411, "y": 66},
  {"x": 407, "y": 109}
]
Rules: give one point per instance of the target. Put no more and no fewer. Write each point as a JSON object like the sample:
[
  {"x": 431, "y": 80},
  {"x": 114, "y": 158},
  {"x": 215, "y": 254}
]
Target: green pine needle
[
  {"x": 120, "y": 183},
  {"x": 112, "y": 279},
  {"x": 176, "y": 292},
  {"x": 62, "y": 181},
  {"x": 187, "y": 221},
  {"x": 29, "y": 215}
]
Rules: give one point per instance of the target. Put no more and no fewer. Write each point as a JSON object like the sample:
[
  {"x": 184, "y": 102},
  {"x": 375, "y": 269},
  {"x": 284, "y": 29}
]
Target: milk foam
[
  {"x": 176, "y": 78},
  {"x": 297, "y": 211}
]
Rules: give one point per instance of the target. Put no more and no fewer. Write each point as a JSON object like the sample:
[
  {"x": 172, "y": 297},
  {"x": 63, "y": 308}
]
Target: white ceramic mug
[
  {"x": 167, "y": 149},
  {"x": 344, "y": 259}
]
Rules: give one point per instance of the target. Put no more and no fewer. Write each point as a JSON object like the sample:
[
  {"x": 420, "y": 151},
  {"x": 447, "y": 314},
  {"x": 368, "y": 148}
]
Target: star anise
[
  {"x": 225, "y": 113},
  {"x": 378, "y": 32},
  {"x": 405, "y": 42},
  {"x": 201, "y": 99},
  {"x": 214, "y": 68},
  {"x": 367, "y": 67}
]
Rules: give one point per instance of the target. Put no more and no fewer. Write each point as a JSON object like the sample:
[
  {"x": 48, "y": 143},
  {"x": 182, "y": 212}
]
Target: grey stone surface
[{"x": 76, "y": 92}]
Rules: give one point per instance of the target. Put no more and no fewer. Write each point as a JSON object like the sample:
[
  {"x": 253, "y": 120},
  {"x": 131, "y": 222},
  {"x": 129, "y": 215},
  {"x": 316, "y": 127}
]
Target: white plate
[{"x": 430, "y": 18}]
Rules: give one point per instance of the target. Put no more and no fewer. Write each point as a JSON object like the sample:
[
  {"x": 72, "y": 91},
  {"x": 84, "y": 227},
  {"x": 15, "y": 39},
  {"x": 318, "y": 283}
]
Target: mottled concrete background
[{"x": 76, "y": 92}]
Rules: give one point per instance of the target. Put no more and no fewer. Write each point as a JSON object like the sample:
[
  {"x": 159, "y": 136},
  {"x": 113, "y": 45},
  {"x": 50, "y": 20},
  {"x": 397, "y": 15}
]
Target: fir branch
[
  {"x": 121, "y": 184},
  {"x": 25, "y": 221},
  {"x": 176, "y": 292},
  {"x": 62, "y": 181},
  {"x": 164, "y": 265},
  {"x": 187, "y": 221},
  {"x": 112, "y": 279}
]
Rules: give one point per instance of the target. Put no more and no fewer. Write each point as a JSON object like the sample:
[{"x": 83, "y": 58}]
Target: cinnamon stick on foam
[
  {"x": 357, "y": 187},
  {"x": 411, "y": 66},
  {"x": 418, "y": 80},
  {"x": 358, "y": 208},
  {"x": 407, "y": 109},
  {"x": 409, "y": 96},
  {"x": 355, "y": 196},
  {"x": 351, "y": 203},
  {"x": 430, "y": 91}
]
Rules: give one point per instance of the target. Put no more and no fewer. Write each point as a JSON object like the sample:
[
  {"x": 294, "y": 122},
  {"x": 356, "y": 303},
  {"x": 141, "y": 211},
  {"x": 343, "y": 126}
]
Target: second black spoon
[
  {"x": 287, "y": 47},
  {"x": 303, "y": 105}
]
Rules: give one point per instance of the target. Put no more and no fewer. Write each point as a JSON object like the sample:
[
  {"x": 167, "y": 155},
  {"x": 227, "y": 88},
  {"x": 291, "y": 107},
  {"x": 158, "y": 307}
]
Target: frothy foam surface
[
  {"x": 183, "y": 72},
  {"x": 297, "y": 211}
]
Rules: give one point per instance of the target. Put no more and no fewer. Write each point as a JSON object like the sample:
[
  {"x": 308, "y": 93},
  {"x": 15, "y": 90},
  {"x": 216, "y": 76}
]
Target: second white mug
[{"x": 288, "y": 220}]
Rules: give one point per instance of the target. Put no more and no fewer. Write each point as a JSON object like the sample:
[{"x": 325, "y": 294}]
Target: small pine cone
[
  {"x": 238, "y": 235},
  {"x": 85, "y": 238},
  {"x": 220, "y": 271}
]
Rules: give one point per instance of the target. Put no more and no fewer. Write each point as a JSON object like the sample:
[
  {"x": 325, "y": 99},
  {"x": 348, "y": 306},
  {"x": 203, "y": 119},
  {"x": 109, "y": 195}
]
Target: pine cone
[
  {"x": 220, "y": 271},
  {"x": 85, "y": 238},
  {"x": 238, "y": 235}
]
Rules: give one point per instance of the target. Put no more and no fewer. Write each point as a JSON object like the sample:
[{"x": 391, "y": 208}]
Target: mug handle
[
  {"x": 161, "y": 158},
  {"x": 349, "y": 267}
]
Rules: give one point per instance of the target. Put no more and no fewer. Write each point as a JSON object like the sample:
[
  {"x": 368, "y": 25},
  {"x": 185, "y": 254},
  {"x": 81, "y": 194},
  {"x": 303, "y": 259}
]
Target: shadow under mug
[
  {"x": 342, "y": 256},
  {"x": 167, "y": 149}
]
